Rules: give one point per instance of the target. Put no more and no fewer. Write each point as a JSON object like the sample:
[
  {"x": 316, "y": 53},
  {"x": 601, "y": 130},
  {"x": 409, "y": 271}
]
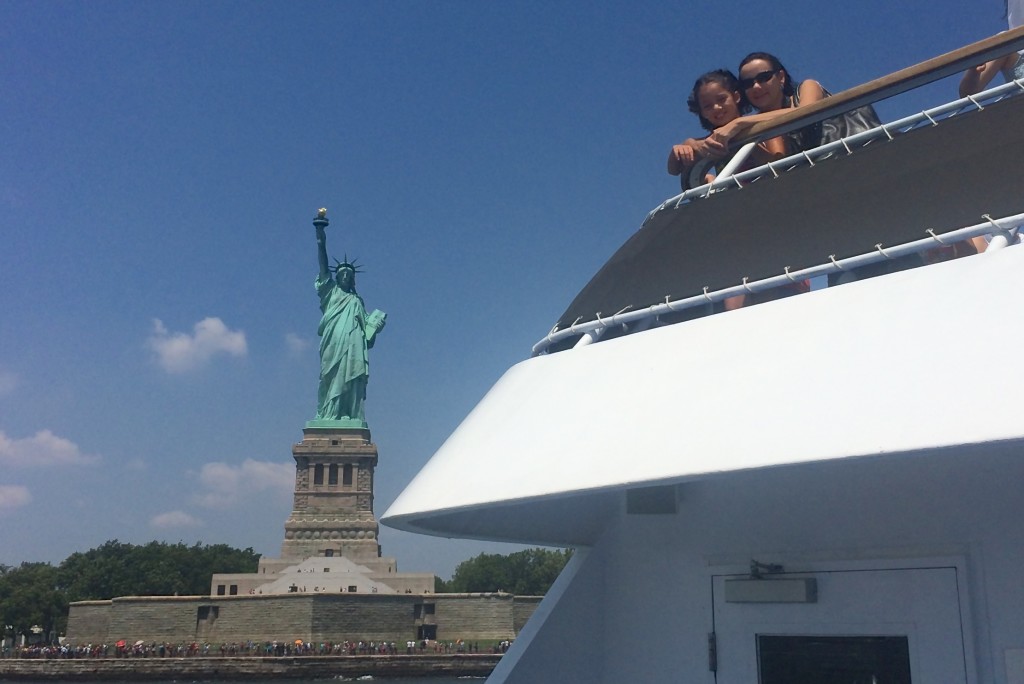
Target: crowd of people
[{"x": 266, "y": 649}]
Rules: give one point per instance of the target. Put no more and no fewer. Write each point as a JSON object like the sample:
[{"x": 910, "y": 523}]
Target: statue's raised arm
[
  {"x": 346, "y": 332},
  {"x": 320, "y": 223}
]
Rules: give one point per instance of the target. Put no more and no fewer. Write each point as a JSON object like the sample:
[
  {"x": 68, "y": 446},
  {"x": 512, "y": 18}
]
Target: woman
[{"x": 768, "y": 87}]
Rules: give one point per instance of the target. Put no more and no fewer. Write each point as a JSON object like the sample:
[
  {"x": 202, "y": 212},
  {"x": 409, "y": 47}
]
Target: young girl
[{"x": 717, "y": 100}]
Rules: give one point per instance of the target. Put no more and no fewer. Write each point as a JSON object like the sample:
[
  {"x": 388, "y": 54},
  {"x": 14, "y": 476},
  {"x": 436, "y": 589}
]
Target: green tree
[
  {"x": 29, "y": 596},
  {"x": 524, "y": 573},
  {"x": 153, "y": 569}
]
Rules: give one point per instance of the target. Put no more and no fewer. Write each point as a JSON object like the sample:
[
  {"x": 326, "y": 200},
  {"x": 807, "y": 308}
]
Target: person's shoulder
[
  {"x": 810, "y": 90},
  {"x": 810, "y": 83}
]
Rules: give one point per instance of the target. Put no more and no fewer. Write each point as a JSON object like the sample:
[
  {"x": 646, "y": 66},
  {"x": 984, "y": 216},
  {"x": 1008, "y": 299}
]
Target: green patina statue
[{"x": 346, "y": 332}]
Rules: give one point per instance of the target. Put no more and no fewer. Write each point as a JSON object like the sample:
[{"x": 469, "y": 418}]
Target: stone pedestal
[{"x": 332, "y": 513}]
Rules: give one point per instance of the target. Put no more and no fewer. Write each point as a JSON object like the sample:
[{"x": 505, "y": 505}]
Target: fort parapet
[{"x": 309, "y": 617}]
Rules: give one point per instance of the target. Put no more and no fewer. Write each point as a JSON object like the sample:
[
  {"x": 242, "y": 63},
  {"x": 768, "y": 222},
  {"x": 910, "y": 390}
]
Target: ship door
[{"x": 898, "y": 626}]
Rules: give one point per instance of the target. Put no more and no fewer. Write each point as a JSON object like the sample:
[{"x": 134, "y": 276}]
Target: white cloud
[
  {"x": 42, "y": 449},
  {"x": 226, "y": 484},
  {"x": 180, "y": 352},
  {"x": 175, "y": 519},
  {"x": 8, "y": 382},
  {"x": 296, "y": 345},
  {"x": 14, "y": 496}
]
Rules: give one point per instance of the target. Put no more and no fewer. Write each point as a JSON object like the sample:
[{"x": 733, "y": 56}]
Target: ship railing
[{"x": 1003, "y": 231}]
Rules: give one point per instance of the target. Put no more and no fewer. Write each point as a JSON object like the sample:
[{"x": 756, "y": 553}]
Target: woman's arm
[
  {"x": 771, "y": 150},
  {"x": 810, "y": 92},
  {"x": 719, "y": 139}
]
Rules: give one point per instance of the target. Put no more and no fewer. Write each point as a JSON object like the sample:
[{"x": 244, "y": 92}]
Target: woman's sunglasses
[{"x": 762, "y": 78}]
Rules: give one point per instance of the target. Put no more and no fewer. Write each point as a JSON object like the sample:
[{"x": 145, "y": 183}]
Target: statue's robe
[{"x": 344, "y": 364}]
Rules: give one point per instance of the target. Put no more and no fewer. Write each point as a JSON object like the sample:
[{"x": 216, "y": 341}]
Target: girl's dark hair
[
  {"x": 787, "y": 87},
  {"x": 724, "y": 78}
]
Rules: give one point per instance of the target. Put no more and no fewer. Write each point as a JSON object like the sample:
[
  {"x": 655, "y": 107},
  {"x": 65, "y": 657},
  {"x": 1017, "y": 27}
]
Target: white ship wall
[{"x": 640, "y": 606}]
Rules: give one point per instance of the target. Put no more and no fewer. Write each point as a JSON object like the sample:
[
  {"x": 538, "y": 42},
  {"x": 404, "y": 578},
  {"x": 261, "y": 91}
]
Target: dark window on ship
[
  {"x": 220, "y": 590},
  {"x": 318, "y": 474},
  {"x": 233, "y": 590},
  {"x": 328, "y": 553},
  {"x": 352, "y": 587},
  {"x": 428, "y": 608},
  {"x": 346, "y": 476},
  {"x": 332, "y": 475},
  {"x": 835, "y": 659}
]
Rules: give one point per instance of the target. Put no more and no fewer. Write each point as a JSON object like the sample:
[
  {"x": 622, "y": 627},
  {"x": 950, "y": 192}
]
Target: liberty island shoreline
[{"x": 249, "y": 667}]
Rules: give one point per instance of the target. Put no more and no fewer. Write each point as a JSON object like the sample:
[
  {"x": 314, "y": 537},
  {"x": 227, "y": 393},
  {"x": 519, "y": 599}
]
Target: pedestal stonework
[
  {"x": 330, "y": 539},
  {"x": 332, "y": 513}
]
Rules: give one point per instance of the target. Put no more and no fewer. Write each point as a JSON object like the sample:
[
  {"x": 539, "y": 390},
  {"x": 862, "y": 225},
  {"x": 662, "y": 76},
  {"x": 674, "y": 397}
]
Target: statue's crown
[{"x": 346, "y": 264}]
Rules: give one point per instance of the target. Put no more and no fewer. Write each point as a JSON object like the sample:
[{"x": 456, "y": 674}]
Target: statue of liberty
[{"x": 346, "y": 333}]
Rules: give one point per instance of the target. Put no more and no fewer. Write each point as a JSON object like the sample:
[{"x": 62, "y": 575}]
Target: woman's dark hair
[
  {"x": 724, "y": 78},
  {"x": 787, "y": 87}
]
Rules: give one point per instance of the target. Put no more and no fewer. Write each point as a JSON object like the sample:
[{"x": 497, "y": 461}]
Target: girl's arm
[{"x": 683, "y": 156}]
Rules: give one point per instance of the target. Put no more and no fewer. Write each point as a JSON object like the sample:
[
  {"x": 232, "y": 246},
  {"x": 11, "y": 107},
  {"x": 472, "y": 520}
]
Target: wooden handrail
[{"x": 893, "y": 84}]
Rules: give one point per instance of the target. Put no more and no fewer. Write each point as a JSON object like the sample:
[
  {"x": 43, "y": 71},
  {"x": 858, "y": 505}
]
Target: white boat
[{"x": 822, "y": 488}]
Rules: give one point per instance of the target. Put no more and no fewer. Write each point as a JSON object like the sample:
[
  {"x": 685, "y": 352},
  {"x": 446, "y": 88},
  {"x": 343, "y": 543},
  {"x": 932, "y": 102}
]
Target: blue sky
[{"x": 161, "y": 164}]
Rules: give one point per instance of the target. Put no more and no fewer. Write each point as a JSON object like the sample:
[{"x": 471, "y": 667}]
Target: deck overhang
[{"x": 915, "y": 362}]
